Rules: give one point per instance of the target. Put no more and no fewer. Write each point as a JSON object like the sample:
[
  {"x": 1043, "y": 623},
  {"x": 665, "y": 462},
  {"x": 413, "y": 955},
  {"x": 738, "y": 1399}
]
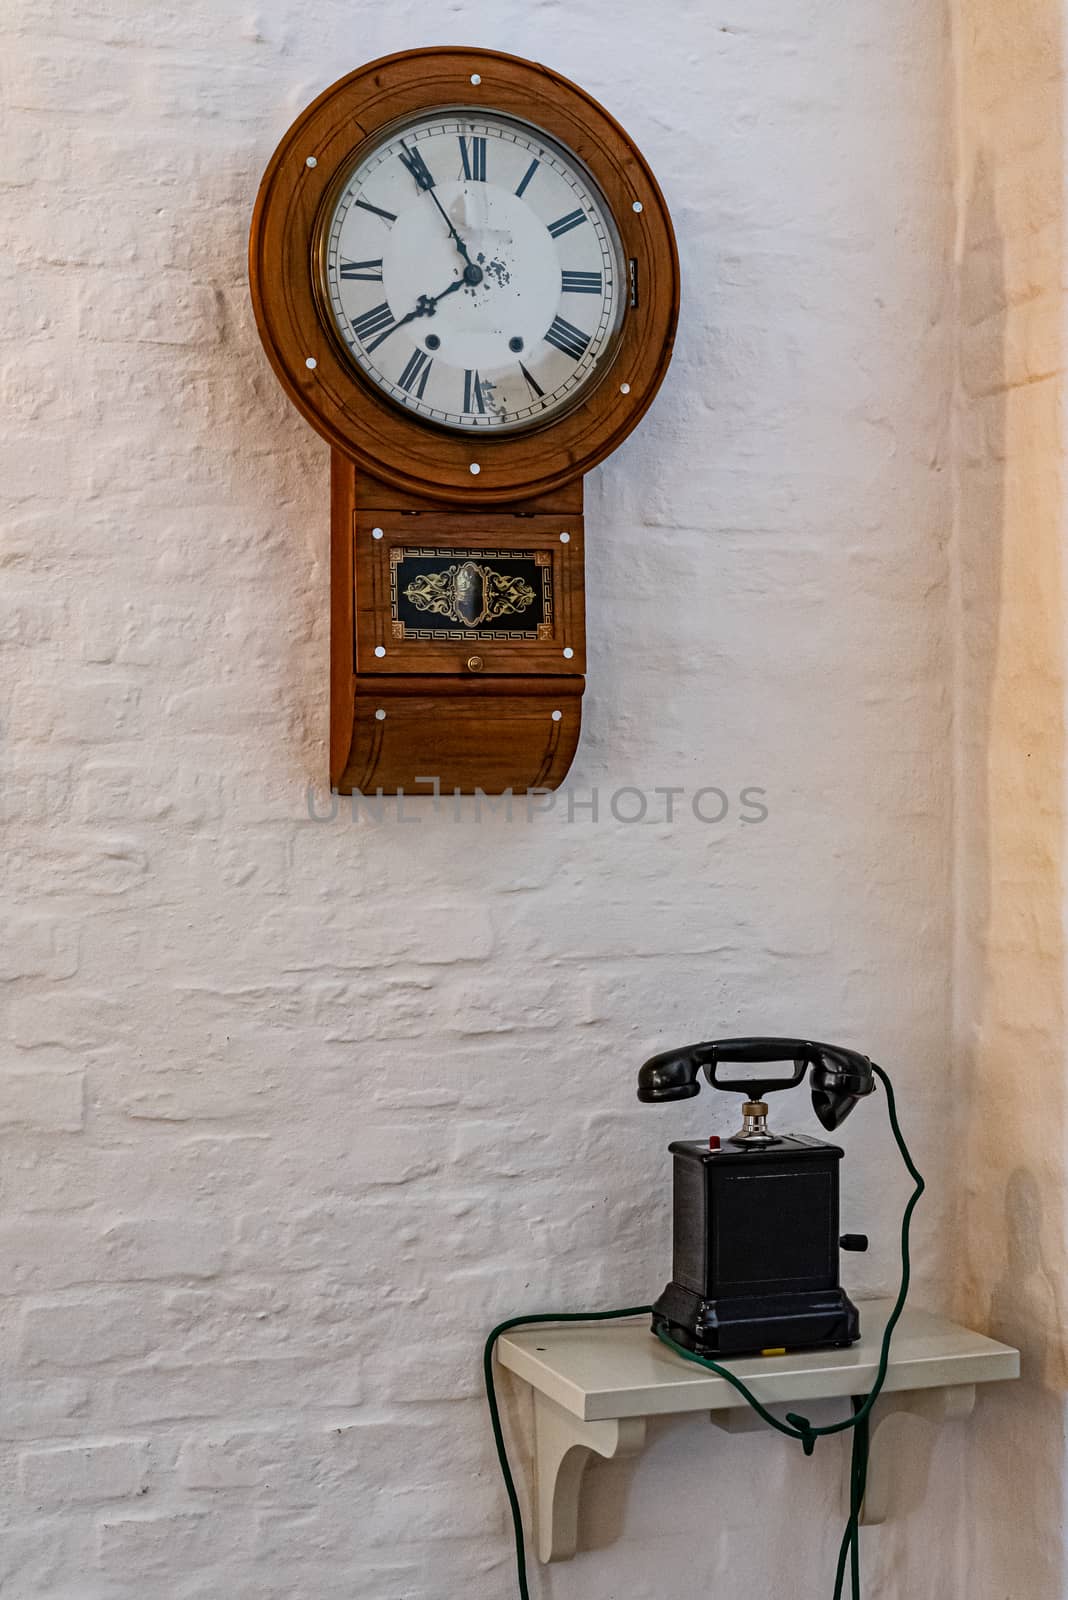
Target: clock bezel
[
  {"x": 350, "y": 412},
  {"x": 321, "y": 283}
]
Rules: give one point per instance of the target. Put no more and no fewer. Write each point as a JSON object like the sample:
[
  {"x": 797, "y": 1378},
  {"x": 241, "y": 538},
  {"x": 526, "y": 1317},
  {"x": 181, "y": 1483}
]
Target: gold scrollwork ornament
[{"x": 470, "y": 593}]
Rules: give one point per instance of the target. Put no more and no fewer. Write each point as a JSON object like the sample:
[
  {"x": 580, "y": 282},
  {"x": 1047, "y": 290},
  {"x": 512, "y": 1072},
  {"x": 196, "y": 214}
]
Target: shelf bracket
[
  {"x": 955, "y": 1403},
  {"x": 563, "y": 1445}
]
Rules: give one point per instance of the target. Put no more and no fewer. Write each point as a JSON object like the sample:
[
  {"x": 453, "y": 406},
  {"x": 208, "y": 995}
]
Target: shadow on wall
[{"x": 1010, "y": 1063}]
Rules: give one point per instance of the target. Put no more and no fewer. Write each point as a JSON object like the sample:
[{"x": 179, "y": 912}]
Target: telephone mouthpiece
[{"x": 839, "y": 1079}]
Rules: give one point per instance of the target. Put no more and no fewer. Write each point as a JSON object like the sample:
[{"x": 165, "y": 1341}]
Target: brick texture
[{"x": 291, "y": 1111}]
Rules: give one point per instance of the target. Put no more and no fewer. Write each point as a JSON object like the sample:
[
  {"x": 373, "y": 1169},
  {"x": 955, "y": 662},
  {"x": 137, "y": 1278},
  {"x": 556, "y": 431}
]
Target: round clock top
[
  {"x": 464, "y": 274},
  {"x": 474, "y": 271}
]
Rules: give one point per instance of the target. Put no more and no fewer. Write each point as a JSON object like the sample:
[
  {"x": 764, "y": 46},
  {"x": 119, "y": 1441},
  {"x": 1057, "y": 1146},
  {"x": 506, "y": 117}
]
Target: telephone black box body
[{"x": 756, "y": 1262}]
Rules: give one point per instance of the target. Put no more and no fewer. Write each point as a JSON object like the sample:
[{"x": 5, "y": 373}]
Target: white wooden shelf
[{"x": 596, "y": 1384}]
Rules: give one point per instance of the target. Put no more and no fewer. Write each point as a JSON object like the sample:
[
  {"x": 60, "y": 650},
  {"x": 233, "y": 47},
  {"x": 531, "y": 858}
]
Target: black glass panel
[{"x": 471, "y": 594}]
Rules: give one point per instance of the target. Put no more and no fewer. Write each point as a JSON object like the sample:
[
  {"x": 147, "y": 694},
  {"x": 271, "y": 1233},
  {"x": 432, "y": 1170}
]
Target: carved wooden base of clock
[{"x": 458, "y": 642}]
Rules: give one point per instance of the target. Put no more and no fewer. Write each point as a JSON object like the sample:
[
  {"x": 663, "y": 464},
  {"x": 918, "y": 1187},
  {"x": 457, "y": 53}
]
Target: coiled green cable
[{"x": 795, "y": 1426}]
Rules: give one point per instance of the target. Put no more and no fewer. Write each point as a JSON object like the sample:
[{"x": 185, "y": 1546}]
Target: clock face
[{"x": 473, "y": 272}]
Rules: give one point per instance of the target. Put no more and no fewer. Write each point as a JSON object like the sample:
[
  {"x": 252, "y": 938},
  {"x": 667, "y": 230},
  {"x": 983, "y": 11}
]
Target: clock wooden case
[{"x": 465, "y": 277}]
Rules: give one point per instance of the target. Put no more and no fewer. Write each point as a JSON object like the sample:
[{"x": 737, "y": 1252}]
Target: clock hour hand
[
  {"x": 459, "y": 283},
  {"x": 425, "y": 306}
]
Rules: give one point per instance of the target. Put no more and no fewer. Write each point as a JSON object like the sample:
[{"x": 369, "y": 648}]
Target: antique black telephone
[
  {"x": 756, "y": 1247},
  {"x": 756, "y": 1236}
]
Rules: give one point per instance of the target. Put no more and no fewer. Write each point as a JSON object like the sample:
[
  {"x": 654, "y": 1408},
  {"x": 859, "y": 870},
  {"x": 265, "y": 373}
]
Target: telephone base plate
[{"x": 749, "y": 1324}]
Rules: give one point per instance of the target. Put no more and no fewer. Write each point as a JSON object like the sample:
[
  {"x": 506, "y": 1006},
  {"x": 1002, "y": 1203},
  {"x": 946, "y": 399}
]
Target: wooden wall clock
[{"x": 465, "y": 277}]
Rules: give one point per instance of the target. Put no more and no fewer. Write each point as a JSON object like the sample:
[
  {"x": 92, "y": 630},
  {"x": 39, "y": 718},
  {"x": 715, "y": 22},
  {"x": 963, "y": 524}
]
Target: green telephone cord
[{"x": 795, "y": 1426}]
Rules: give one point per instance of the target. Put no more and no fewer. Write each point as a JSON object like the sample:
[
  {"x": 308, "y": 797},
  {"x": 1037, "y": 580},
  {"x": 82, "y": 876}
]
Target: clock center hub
[{"x": 510, "y": 285}]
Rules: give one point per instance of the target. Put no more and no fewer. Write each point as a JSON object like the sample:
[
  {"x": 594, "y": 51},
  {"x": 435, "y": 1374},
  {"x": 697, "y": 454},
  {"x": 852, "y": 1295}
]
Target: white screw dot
[
  {"x": 311, "y": 162},
  {"x": 568, "y": 652},
  {"x": 376, "y": 533},
  {"x": 380, "y": 649},
  {"x": 475, "y": 469},
  {"x": 311, "y": 363},
  {"x": 475, "y": 79},
  {"x": 380, "y": 716},
  {"x": 624, "y": 388},
  {"x": 565, "y": 538},
  {"x": 557, "y": 715},
  {"x": 637, "y": 206}
]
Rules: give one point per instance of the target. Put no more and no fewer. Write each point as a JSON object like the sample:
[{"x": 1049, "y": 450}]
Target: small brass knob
[{"x": 475, "y": 663}]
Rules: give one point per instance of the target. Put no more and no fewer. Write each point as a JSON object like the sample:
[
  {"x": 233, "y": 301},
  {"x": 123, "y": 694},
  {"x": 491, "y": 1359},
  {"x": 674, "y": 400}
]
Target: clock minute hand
[
  {"x": 459, "y": 242},
  {"x": 419, "y": 171}
]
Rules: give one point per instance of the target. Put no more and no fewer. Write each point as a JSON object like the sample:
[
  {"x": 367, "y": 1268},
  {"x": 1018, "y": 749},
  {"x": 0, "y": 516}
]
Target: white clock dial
[{"x": 473, "y": 272}]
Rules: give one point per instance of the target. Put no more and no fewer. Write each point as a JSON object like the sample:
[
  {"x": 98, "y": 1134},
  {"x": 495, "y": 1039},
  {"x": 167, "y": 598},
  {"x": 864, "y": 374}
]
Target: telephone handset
[
  {"x": 756, "y": 1236},
  {"x": 840, "y": 1077}
]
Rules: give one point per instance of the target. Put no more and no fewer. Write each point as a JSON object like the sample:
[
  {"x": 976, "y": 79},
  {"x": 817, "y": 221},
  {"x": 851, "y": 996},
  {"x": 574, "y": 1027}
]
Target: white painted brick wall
[
  {"x": 291, "y": 1112},
  {"x": 58, "y": 1475}
]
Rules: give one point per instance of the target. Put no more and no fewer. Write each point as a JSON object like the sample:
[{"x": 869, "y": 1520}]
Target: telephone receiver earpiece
[{"x": 839, "y": 1077}]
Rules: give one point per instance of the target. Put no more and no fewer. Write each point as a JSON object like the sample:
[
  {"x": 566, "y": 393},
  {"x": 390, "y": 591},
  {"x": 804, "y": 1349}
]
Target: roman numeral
[
  {"x": 388, "y": 216},
  {"x": 379, "y": 320},
  {"x": 473, "y": 400},
  {"x": 417, "y": 167},
  {"x": 528, "y": 174},
  {"x": 418, "y": 367},
  {"x": 536, "y": 390},
  {"x": 565, "y": 224},
  {"x": 581, "y": 283},
  {"x": 572, "y": 341},
  {"x": 362, "y": 271},
  {"x": 473, "y": 156}
]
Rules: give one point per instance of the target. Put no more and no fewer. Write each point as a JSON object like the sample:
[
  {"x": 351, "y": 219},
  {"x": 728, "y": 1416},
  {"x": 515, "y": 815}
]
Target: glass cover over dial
[{"x": 473, "y": 271}]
